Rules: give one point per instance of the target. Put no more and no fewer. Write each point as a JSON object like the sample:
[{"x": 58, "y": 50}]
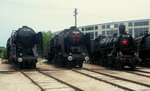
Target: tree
[
  {"x": 4, "y": 54},
  {"x": 46, "y": 37}
]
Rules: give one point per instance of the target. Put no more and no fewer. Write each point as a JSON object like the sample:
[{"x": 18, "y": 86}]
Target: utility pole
[{"x": 75, "y": 14}]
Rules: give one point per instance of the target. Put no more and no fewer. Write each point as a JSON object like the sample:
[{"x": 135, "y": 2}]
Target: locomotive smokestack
[
  {"x": 121, "y": 29},
  {"x": 73, "y": 28}
]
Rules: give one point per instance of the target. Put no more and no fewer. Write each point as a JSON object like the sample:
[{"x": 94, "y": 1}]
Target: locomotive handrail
[{"x": 13, "y": 31}]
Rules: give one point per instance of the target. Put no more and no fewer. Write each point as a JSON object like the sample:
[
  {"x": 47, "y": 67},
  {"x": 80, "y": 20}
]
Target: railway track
[
  {"x": 113, "y": 78},
  {"x": 122, "y": 83},
  {"x": 139, "y": 73},
  {"x": 146, "y": 85},
  {"x": 122, "y": 87},
  {"x": 75, "y": 88},
  {"x": 6, "y": 71},
  {"x": 143, "y": 71},
  {"x": 33, "y": 81},
  {"x": 48, "y": 82}
]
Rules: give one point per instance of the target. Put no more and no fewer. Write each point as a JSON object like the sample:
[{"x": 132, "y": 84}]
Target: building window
[
  {"x": 111, "y": 32},
  {"x": 91, "y": 35},
  {"x": 103, "y": 26},
  {"x": 96, "y": 27},
  {"x": 108, "y": 26},
  {"x": 96, "y": 34},
  {"x": 130, "y": 31},
  {"x": 89, "y": 28},
  {"x": 116, "y": 26},
  {"x": 111, "y": 26},
  {"x": 140, "y": 32},
  {"x": 143, "y": 23},
  {"x": 130, "y": 24},
  {"x": 103, "y": 33},
  {"x": 82, "y": 29}
]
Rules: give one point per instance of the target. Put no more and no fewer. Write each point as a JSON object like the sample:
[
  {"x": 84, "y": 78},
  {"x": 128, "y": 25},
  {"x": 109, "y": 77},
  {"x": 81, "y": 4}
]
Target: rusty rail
[
  {"x": 143, "y": 71},
  {"x": 124, "y": 79},
  {"x": 139, "y": 74},
  {"x": 119, "y": 86},
  {"x": 42, "y": 89},
  {"x": 76, "y": 88}
]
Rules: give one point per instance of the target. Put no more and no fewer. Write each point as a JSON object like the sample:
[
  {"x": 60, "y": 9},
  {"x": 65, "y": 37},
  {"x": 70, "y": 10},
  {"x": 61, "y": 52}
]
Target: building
[{"x": 133, "y": 27}]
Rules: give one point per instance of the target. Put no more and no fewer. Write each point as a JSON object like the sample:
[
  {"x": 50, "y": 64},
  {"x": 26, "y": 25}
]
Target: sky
[{"x": 56, "y": 15}]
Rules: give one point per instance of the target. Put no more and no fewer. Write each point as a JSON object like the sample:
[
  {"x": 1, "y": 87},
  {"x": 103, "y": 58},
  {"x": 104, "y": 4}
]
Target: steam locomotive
[
  {"x": 143, "y": 49},
  {"x": 67, "y": 49},
  {"x": 25, "y": 47},
  {"x": 117, "y": 50}
]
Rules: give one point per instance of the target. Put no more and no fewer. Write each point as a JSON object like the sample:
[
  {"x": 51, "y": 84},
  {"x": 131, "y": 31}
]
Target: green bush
[
  {"x": 46, "y": 37},
  {"x": 4, "y": 54}
]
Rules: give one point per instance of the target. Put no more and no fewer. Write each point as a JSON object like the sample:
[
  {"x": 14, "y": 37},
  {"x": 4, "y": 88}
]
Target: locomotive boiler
[
  {"x": 117, "y": 50},
  {"x": 143, "y": 49},
  {"x": 68, "y": 49},
  {"x": 25, "y": 47}
]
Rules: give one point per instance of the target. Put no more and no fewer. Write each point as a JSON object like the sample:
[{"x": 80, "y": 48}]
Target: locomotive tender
[
  {"x": 143, "y": 49},
  {"x": 117, "y": 50},
  {"x": 68, "y": 49},
  {"x": 25, "y": 47}
]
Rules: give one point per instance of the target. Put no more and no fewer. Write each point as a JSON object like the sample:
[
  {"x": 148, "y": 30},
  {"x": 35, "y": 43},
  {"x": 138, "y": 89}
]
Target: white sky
[{"x": 55, "y": 15}]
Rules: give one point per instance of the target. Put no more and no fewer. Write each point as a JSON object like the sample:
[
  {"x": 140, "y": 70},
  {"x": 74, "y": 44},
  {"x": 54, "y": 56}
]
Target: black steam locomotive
[
  {"x": 68, "y": 49},
  {"x": 25, "y": 47},
  {"x": 143, "y": 49},
  {"x": 117, "y": 50}
]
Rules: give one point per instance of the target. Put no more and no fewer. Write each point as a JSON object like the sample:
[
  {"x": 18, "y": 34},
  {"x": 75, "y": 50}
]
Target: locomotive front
[
  {"x": 118, "y": 49},
  {"x": 23, "y": 48},
  {"x": 25, "y": 40},
  {"x": 125, "y": 50},
  {"x": 75, "y": 47},
  {"x": 125, "y": 43}
]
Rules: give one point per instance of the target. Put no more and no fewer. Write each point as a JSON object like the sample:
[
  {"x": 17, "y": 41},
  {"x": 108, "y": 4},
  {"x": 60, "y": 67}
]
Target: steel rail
[
  {"x": 6, "y": 71},
  {"x": 42, "y": 89},
  {"x": 143, "y": 71},
  {"x": 75, "y": 88},
  {"x": 119, "y": 86},
  {"x": 124, "y": 79},
  {"x": 138, "y": 74}
]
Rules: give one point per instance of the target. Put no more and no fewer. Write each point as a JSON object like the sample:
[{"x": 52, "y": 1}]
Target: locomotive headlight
[
  {"x": 120, "y": 53},
  {"x": 70, "y": 58},
  {"x": 39, "y": 59},
  {"x": 70, "y": 53},
  {"x": 59, "y": 53},
  {"x": 20, "y": 59},
  {"x": 83, "y": 54},
  {"x": 86, "y": 58},
  {"x": 20, "y": 54},
  {"x": 136, "y": 54}
]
